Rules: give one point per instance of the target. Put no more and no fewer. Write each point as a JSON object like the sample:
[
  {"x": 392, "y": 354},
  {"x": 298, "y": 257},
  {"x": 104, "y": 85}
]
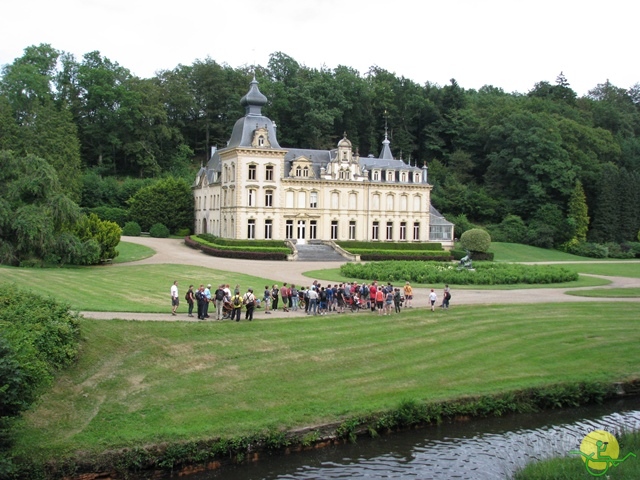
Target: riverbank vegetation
[{"x": 153, "y": 383}]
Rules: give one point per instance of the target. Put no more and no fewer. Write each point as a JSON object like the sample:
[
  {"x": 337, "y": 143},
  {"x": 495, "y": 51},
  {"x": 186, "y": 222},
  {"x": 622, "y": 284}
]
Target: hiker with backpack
[
  {"x": 219, "y": 299},
  {"x": 236, "y": 302},
  {"x": 249, "y": 301}
]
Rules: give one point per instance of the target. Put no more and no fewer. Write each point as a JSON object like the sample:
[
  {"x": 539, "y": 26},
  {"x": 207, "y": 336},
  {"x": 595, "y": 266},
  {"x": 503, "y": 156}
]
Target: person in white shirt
[
  {"x": 433, "y": 298},
  {"x": 175, "y": 301}
]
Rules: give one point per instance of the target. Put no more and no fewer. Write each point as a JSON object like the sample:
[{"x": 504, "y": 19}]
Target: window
[
  {"x": 302, "y": 199},
  {"x": 261, "y": 141},
  {"x": 288, "y": 231},
  {"x": 390, "y": 203},
  {"x": 251, "y": 229},
  {"x": 268, "y": 198},
  {"x": 376, "y": 175},
  {"x": 298, "y": 171},
  {"x": 268, "y": 173},
  {"x": 252, "y": 172},
  {"x": 305, "y": 172},
  {"x": 439, "y": 232},
  {"x": 404, "y": 203},
  {"x": 334, "y": 229},
  {"x": 344, "y": 174},
  {"x": 416, "y": 203},
  {"x": 416, "y": 230},
  {"x": 268, "y": 229},
  {"x": 403, "y": 177},
  {"x": 375, "y": 202},
  {"x": 389, "y": 230},
  {"x": 352, "y": 230},
  {"x": 353, "y": 201},
  {"x": 251, "y": 201},
  {"x": 403, "y": 230},
  {"x": 375, "y": 231},
  {"x": 288, "y": 199},
  {"x": 313, "y": 200},
  {"x": 313, "y": 229},
  {"x": 335, "y": 200}
]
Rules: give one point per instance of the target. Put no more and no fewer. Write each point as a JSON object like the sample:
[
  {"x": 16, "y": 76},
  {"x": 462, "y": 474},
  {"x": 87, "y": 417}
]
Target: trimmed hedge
[
  {"x": 484, "y": 273},
  {"x": 253, "y": 252},
  {"x": 351, "y": 245},
  {"x": 211, "y": 239},
  {"x": 459, "y": 254},
  {"x": 370, "y": 254}
]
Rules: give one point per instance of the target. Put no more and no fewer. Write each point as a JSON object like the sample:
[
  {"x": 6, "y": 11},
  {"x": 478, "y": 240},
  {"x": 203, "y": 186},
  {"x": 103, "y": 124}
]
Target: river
[{"x": 480, "y": 449}]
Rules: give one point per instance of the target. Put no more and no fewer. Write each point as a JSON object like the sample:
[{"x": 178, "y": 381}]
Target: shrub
[
  {"x": 131, "y": 229},
  {"x": 476, "y": 240},
  {"x": 512, "y": 229},
  {"x": 111, "y": 214},
  {"x": 616, "y": 250},
  {"x": 158, "y": 230},
  {"x": 183, "y": 232},
  {"x": 588, "y": 249},
  {"x": 106, "y": 233},
  {"x": 32, "y": 349}
]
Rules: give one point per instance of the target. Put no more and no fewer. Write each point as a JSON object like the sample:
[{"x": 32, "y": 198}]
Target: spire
[
  {"x": 386, "y": 151},
  {"x": 254, "y": 100}
]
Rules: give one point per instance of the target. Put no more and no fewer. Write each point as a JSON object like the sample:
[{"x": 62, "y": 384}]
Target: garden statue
[{"x": 465, "y": 262}]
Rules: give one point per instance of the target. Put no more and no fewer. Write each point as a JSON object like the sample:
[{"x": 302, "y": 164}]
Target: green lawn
[
  {"x": 130, "y": 252},
  {"x": 607, "y": 292},
  {"x": 138, "y": 383},
  {"x": 108, "y": 288}
]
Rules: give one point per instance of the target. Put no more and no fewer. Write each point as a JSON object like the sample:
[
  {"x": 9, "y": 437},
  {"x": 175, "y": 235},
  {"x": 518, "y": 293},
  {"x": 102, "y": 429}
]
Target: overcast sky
[{"x": 511, "y": 44}]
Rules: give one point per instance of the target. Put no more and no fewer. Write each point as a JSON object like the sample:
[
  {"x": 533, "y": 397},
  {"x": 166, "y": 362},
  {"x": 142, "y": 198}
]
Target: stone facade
[{"x": 255, "y": 189}]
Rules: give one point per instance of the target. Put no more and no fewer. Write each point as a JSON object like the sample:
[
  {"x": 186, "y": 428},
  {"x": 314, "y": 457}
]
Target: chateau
[{"x": 256, "y": 189}]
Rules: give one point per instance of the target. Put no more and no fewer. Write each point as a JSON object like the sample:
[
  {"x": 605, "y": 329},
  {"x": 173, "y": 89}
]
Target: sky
[{"x": 509, "y": 44}]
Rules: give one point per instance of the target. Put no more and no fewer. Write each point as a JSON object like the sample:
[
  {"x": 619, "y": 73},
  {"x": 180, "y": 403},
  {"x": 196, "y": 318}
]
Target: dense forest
[{"x": 544, "y": 167}]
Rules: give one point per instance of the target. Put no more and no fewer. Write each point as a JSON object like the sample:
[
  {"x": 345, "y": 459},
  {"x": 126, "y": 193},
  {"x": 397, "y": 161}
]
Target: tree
[
  {"x": 577, "y": 212},
  {"x": 33, "y": 208},
  {"x": 169, "y": 201},
  {"x": 41, "y": 126}
]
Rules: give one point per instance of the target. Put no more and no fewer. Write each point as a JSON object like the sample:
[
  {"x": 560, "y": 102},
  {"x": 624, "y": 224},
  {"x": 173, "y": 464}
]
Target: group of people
[
  {"x": 226, "y": 304},
  {"x": 316, "y": 299},
  {"x": 319, "y": 299}
]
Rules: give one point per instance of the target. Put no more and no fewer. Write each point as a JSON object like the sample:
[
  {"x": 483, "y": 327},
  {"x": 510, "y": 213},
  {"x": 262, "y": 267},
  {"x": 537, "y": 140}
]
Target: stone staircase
[{"x": 318, "y": 252}]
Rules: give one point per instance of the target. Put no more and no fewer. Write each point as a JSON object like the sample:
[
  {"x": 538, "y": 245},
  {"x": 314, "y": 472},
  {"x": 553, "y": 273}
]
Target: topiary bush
[
  {"x": 131, "y": 229},
  {"x": 158, "y": 230},
  {"x": 476, "y": 240}
]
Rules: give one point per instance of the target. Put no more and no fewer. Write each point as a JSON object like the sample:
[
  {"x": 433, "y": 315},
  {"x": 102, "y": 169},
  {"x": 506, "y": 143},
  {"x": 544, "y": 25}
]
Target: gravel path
[{"x": 174, "y": 251}]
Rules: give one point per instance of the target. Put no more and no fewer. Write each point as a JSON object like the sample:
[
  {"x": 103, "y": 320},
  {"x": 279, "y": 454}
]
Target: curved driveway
[{"x": 174, "y": 251}]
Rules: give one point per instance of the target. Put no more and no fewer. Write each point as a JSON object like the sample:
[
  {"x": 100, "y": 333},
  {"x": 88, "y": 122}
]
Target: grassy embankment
[{"x": 139, "y": 383}]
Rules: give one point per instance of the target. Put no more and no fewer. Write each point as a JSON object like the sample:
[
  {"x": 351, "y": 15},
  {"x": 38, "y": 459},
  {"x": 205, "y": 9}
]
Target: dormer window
[
  {"x": 390, "y": 175},
  {"x": 376, "y": 175},
  {"x": 260, "y": 138},
  {"x": 298, "y": 171}
]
